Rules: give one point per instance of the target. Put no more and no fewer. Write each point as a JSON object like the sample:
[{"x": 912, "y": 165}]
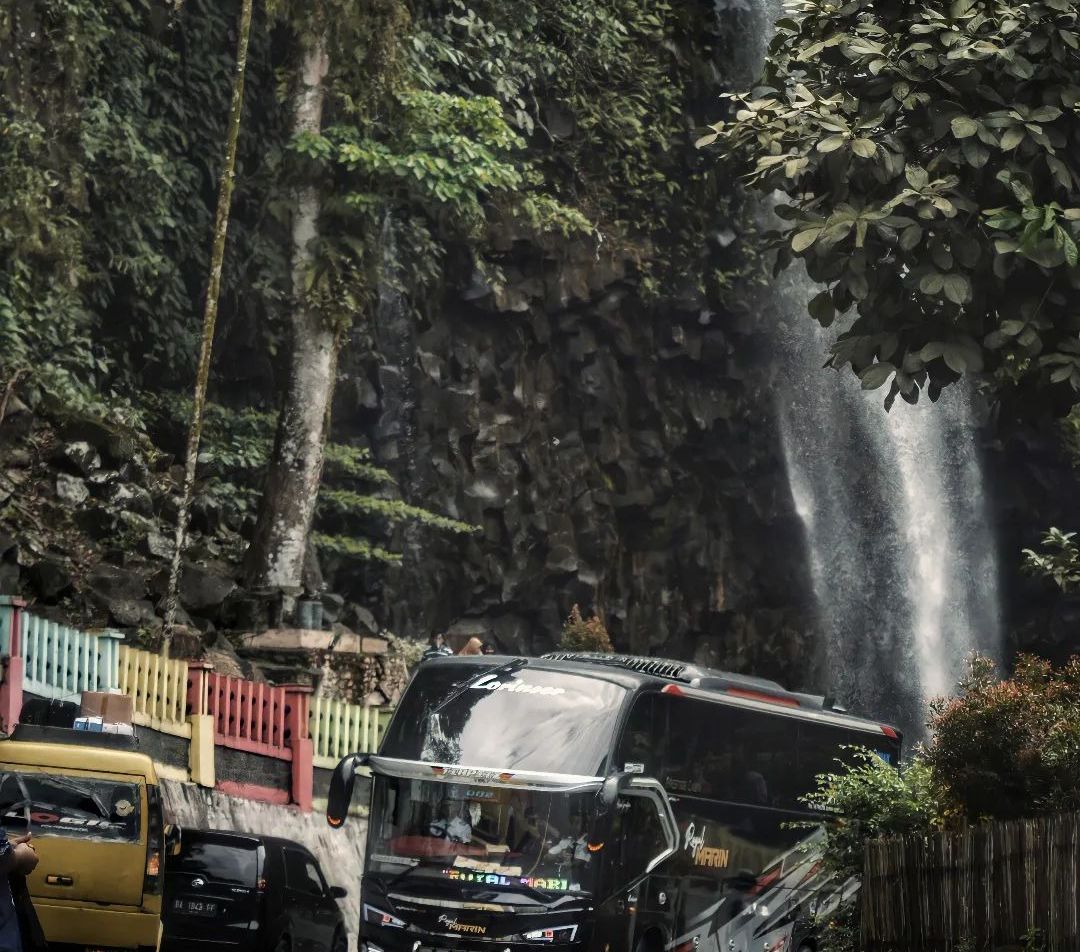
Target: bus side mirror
[
  {"x": 342, "y": 781},
  {"x": 607, "y": 799}
]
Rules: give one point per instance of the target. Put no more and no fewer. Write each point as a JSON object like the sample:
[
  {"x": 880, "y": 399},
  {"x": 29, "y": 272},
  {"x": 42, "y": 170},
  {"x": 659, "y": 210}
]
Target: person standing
[
  {"x": 472, "y": 647},
  {"x": 18, "y": 859},
  {"x": 437, "y": 648}
]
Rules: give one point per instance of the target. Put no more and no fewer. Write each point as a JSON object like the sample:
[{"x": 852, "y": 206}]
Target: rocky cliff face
[{"x": 613, "y": 454}]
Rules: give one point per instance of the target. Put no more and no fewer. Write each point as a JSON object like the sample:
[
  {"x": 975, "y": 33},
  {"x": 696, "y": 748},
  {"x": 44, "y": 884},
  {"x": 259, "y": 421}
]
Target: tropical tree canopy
[{"x": 928, "y": 153}]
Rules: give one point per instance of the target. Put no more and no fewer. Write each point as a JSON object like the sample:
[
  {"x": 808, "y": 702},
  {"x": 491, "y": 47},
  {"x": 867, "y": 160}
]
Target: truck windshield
[
  {"x": 498, "y": 838},
  {"x": 73, "y": 806},
  {"x": 526, "y": 719}
]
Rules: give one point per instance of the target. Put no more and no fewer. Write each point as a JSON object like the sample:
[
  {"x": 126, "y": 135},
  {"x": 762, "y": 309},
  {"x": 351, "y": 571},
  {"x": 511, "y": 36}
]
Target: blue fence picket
[{"x": 62, "y": 662}]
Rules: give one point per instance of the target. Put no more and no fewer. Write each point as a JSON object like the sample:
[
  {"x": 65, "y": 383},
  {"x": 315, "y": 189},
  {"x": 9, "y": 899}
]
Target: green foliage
[
  {"x": 109, "y": 145},
  {"x": 928, "y": 153},
  {"x": 481, "y": 131},
  {"x": 1001, "y": 749},
  {"x": 1011, "y": 748},
  {"x": 345, "y": 501},
  {"x": 236, "y": 446},
  {"x": 1070, "y": 435},
  {"x": 1058, "y": 560},
  {"x": 351, "y": 547},
  {"x": 864, "y": 799},
  {"x": 354, "y": 462},
  {"x": 581, "y": 635},
  {"x": 869, "y": 798},
  {"x": 523, "y": 120}
]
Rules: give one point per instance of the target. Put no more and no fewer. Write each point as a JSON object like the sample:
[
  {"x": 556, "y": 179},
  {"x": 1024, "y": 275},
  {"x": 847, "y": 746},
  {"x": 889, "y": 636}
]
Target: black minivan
[{"x": 231, "y": 891}]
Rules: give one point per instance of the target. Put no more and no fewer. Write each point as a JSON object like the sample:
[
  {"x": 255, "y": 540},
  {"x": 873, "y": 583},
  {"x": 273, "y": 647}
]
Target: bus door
[{"x": 638, "y": 898}]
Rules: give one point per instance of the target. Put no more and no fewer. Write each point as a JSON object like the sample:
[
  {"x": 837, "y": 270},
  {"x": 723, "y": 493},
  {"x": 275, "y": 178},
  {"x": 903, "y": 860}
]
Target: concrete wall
[{"x": 238, "y": 766}]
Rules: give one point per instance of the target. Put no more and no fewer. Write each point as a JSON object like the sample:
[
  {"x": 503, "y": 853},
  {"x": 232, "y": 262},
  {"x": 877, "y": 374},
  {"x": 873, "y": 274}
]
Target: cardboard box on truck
[{"x": 111, "y": 708}]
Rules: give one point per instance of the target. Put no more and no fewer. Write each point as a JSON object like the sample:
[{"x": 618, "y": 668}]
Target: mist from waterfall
[{"x": 901, "y": 557}]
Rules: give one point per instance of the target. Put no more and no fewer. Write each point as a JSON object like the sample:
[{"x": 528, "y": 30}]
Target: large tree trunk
[{"x": 276, "y": 556}]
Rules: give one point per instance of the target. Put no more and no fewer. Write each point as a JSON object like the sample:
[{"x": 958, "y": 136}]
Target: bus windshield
[
  {"x": 525, "y": 719},
  {"x": 500, "y": 838}
]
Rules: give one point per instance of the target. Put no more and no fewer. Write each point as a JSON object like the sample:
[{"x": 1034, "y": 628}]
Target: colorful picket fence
[
  {"x": 251, "y": 716},
  {"x": 183, "y": 698},
  {"x": 338, "y": 728},
  {"x": 159, "y": 689},
  {"x": 62, "y": 662}
]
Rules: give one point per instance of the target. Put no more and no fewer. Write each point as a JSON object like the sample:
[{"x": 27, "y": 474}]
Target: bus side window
[{"x": 638, "y": 750}]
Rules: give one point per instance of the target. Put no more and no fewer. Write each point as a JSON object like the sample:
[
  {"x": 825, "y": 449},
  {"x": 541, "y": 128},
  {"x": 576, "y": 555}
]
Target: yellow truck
[{"x": 96, "y": 819}]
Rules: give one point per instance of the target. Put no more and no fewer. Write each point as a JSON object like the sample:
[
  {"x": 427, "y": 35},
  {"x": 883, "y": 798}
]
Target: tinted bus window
[
  {"x": 528, "y": 719},
  {"x": 76, "y": 807},
  {"x": 735, "y": 754},
  {"x": 235, "y": 864}
]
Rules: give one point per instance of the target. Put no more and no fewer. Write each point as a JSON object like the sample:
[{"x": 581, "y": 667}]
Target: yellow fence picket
[
  {"x": 338, "y": 728},
  {"x": 158, "y": 687}
]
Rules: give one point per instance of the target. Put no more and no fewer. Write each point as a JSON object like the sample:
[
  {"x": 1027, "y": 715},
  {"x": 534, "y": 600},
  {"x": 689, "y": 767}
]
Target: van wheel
[
  {"x": 340, "y": 943},
  {"x": 284, "y": 944}
]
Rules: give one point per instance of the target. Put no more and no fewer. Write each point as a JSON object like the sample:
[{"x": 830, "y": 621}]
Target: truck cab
[{"x": 96, "y": 818}]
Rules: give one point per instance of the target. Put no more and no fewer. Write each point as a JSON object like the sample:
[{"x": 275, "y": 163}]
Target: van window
[
  {"x": 302, "y": 874},
  {"x": 76, "y": 807},
  {"x": 233, "y": 863}
]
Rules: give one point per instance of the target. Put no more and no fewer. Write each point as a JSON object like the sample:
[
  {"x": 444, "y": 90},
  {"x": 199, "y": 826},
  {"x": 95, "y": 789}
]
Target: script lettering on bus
[
  {"x": 491, "y": 682},
  {"x": 467, "y": 927},
  {"x": 497, "y": 879},
  {"x": 711, "y": 856}
]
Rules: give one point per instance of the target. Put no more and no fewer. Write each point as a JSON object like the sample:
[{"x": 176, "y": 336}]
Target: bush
[
  {"x": 1008, "y": 749},
  {"x": 870, "y": 798},
  {"x": 867, "y": 798},
  {"x": 581, "y": 635}
]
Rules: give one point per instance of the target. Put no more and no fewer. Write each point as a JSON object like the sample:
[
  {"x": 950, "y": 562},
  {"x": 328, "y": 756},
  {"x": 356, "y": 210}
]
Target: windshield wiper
[
  {"x": 510, "y": 666},
  {"x": 405, "y": 873}
]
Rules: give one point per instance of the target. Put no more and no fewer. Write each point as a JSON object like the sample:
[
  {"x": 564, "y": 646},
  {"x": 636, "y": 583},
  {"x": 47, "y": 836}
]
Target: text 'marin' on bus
[{"x": 599, "y": 803}]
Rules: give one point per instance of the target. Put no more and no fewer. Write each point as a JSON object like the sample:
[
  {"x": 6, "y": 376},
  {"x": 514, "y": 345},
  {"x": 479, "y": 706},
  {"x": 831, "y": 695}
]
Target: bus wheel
[
  {"x": 284, "y": 944},
  {"x": 340, "y": 943}
]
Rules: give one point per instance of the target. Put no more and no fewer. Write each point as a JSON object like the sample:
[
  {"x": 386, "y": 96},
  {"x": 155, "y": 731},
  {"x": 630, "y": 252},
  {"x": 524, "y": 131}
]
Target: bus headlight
[
  {"x": 557, "y": 935},
  {"x": 379, "y": 918}
]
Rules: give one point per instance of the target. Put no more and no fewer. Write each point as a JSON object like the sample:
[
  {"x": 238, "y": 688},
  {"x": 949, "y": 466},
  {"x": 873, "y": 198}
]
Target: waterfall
[{"x": 901, "y": 557}]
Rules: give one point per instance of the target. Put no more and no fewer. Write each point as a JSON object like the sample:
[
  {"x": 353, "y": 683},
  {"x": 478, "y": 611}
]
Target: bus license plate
[{"x": 195, "y": 907}]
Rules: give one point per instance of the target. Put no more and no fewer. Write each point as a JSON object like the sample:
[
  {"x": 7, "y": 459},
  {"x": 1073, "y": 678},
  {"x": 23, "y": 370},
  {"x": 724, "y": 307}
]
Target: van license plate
[{"x": 195, "y": 907}]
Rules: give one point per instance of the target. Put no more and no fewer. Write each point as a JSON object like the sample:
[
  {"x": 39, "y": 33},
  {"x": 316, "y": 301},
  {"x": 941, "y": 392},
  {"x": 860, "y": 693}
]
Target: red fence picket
[
  {"x": 261, "y": 719},
  {"x": 250, "y": 715}
]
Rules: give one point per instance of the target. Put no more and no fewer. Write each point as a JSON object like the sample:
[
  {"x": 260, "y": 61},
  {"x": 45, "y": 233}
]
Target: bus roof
[
  {"x": 723, "y": 684},
  {"x": 682, "y": 678}
]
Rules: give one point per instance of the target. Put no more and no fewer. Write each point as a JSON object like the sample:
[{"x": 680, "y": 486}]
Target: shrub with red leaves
[
  {"x": 1008, "y": 749},
  {"x": 581, "y": 635}
]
